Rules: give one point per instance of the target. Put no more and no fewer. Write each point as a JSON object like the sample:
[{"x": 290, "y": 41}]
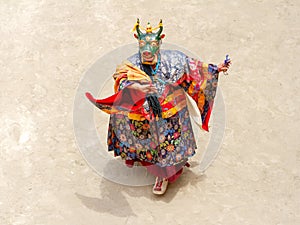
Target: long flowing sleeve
[
  {"x": 200, "y": 81},
  {"x": 124, "y": 100}
]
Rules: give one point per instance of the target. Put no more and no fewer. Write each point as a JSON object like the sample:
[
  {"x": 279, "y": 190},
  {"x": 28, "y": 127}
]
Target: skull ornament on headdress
[{"x": 149, "y": 42}]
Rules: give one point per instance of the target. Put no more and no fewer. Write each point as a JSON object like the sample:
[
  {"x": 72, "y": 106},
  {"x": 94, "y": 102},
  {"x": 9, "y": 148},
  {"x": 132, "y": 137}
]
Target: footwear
[{"x": 160, "y": 186}]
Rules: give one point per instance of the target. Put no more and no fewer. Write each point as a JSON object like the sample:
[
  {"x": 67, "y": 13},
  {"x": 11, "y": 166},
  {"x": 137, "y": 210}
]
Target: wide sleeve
[
  {"x": 125, "y": 100},
  {"x": 121, "y": 79},
  {"x": 200, "y": 81}
]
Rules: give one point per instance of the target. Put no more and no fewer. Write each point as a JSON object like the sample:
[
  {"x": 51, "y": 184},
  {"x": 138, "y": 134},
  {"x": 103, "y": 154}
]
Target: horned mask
[{"x": 149, "y": 42}]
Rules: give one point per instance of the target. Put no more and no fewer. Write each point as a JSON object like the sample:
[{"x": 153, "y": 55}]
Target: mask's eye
[
  {"x": 154, "y": 43},
  {"x": 142, "y": 43}
]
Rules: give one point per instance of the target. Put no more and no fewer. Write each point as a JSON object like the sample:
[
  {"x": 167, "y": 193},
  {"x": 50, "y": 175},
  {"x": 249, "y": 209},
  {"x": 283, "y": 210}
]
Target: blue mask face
[
  {"x": 149, "y": 42},
  {"x": 149, "y": 48}
]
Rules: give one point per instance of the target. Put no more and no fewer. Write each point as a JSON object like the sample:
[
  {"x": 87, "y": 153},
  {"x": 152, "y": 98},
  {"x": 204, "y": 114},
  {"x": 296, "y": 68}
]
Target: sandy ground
[{"x": 45, "y": 48}]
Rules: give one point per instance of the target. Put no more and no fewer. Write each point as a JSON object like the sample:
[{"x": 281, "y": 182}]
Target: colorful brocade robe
[{"x": 134, "y": 134}]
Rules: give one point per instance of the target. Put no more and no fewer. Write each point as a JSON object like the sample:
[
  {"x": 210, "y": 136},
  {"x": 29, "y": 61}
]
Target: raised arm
[{"x": 200, "y": 81}]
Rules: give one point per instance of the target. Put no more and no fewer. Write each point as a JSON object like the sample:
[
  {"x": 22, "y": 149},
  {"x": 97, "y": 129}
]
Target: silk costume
[{"x": 162, "y": 144}]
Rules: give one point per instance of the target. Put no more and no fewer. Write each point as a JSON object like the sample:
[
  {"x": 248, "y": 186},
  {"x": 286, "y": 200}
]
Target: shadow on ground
[{"x": 114, "y": 197}]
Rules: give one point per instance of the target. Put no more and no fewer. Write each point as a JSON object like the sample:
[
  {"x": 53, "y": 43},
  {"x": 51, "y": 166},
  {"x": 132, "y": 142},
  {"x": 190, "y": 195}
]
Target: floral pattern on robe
[{"x": 169, "y": 140}]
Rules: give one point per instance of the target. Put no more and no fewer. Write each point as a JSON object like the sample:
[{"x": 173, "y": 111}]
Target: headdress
[{"x": 148, "y": 29}]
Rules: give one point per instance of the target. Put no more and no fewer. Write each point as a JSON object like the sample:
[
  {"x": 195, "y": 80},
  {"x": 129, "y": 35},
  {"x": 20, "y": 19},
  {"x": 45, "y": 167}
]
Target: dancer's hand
[
  {"x": 222, "y": 67},
  {"x": 145, "y": 87}
]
